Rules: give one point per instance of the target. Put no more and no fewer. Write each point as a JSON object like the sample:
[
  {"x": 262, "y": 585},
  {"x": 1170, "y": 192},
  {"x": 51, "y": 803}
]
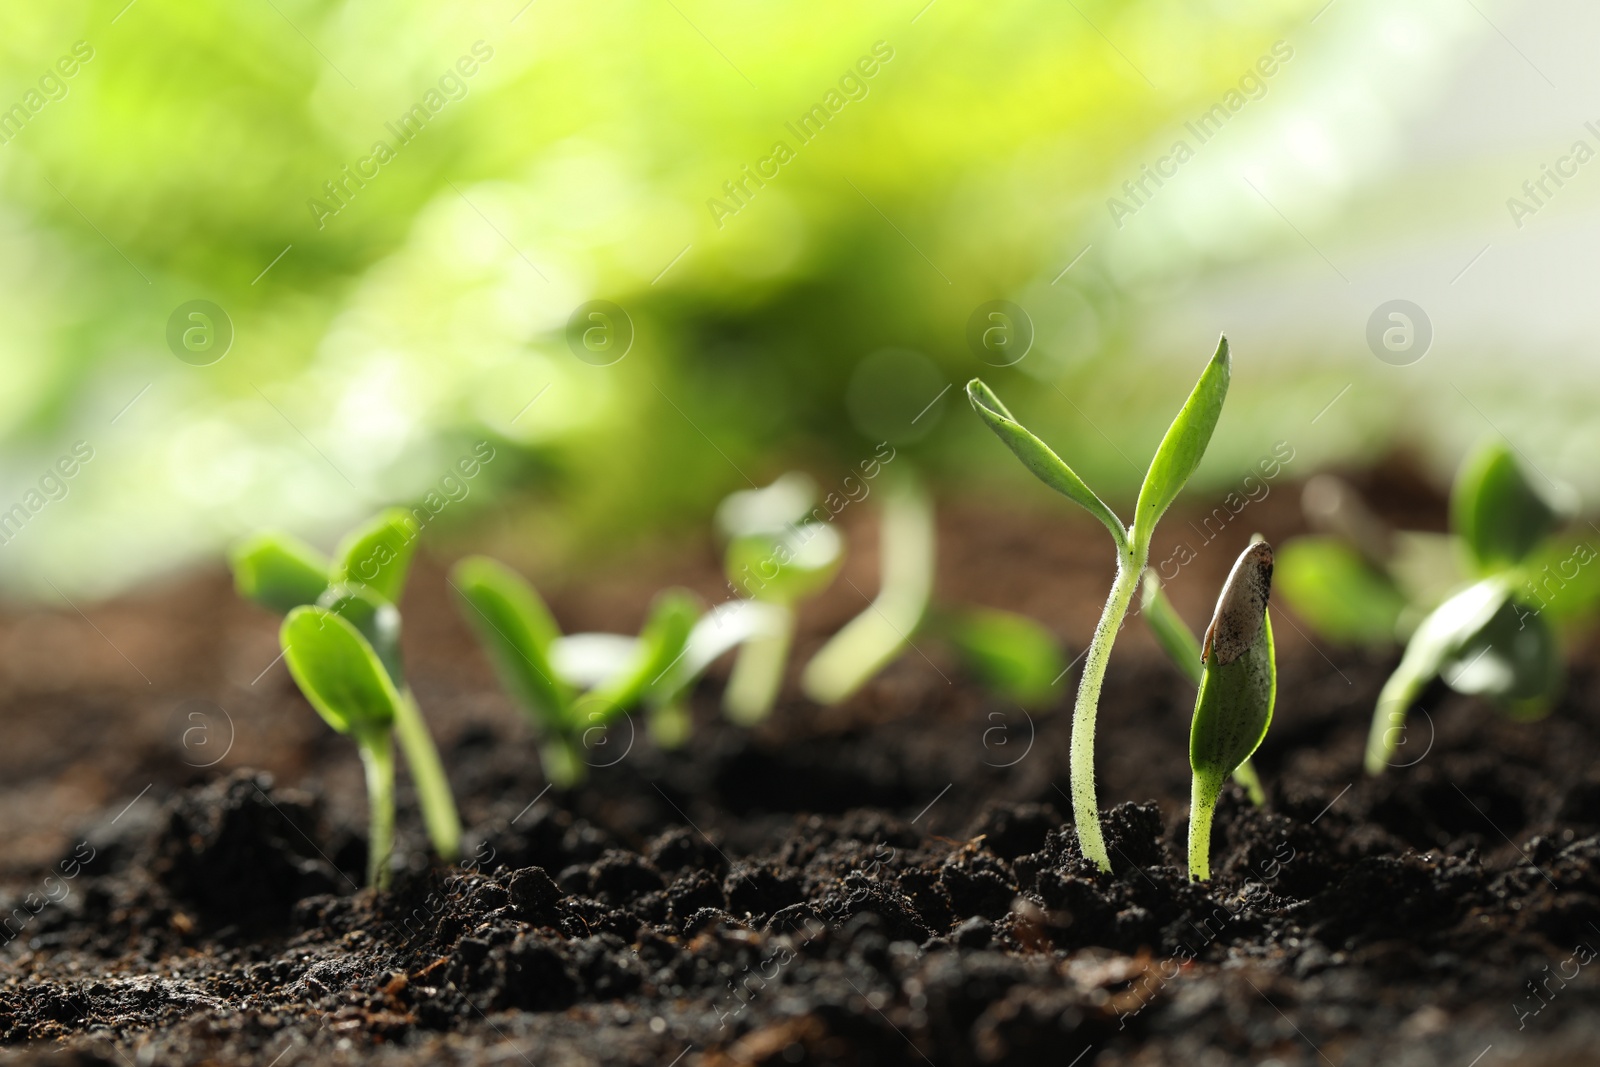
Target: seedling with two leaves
[
  {"x": 571, "y": 688},
  {"x": 1479, "y": 609},
  {"x": 1175, "y": 461},
  {"x": 341, "y": 641}
]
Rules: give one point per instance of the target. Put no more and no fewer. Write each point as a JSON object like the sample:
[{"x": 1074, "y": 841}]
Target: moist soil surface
[{"x": 891, "y": 881}]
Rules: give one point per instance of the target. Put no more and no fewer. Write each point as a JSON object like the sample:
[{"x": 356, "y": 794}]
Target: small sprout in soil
[
  {"x": 1478, "y": 608},
  {"x": 1183, "y": 648},
  {"x": 873, "y": 638},
  {"x": 570, "y": 688},
  {"x": 362, "y": 584},
  {"x": 777, "y": 557},
  {"x": 1175, "y": 460},
  {"x": 1007, "y": 653},
  {"x": 337, "y": 670},
  {"x": 1238, "y": 686}
]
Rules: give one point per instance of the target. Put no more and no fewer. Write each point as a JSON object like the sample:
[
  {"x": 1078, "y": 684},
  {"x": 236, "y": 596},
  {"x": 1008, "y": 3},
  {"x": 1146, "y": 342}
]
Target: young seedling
[
  {"x": 571, "y": 688},
  {"x": 362, "y": 584},
  {"x": 1009, "y": 654},
  {"x": 1183, "y": 648},
  {"x": 777, "y": 557},
  {"x": 880, "y": 633},
  {"x": 1175, "y": 460},
  {"x": 1477, "y": 609},
  {"x": 337, "y": 670},
  {"x": 1238, "y": 686}
]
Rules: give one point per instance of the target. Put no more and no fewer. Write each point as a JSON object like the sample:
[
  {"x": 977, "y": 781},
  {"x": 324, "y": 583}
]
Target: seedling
[
  {"x": 777, "y": 557},
  {"x": 1478, "y": 609},
  {"x": 1238, "y": 686},
  {"x": 1183, "y": 648},
  {"x": 1009, "y": 653},
  {"x": 341, "y": 676},
  {"x": 361, "y": 584},
  {"x": 1175, "y": 460},
  {"x": 570, "y": 688}
]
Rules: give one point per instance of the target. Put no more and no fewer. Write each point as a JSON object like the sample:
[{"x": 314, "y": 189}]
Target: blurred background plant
[{"x": 361, "y": 331}]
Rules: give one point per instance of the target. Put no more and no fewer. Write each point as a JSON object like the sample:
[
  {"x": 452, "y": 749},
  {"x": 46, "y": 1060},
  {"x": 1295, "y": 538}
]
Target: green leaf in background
[
  {"x": 278, "y": 571},
  {"x": 662, "y": 643},
  {"x": 1334, "y": 589},
  {"x": 1562, "y": 582},
  {"x": 378, "y": 554},
  {"x": 339, "y": 673},
  {"x": 1438, "y": 640},
  {"x": 1497, "y": 511},
  {"x": 787, "y": 565},
  {"x": 1038, "y": 457},
  {"x": 1008, "y": 653},
  {"x": 1183, "y": 446},
  {"x": 1172, "y": 633},
  {"x": 517, "y": 630},
  {"x": 1238, "y": 688},
  {"x": 1514, "y": 658}
]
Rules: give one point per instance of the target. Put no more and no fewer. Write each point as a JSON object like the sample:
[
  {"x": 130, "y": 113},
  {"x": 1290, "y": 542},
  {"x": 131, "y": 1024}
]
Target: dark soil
[{"x": 891, "y": 881}]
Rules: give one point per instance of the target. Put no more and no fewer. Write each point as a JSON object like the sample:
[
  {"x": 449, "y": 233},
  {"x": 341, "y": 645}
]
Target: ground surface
[{"x": 891, "y": 881}]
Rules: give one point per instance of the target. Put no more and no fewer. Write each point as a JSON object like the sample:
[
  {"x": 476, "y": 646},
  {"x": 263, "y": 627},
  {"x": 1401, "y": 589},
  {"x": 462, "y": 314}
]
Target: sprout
[
  {"x": 341, "y": 676},
  {"x": 872, "y": 639},
  {"x": 1478, "y": 608},
  {"x": 1175, "y": 460},
  {"x": 778, "y": 557},
  {"x": 571, "y": 686},
  {"x": 361, "y": 586},
  {"x": 1008, "y": 653},
  {"x": 1238, "y": 686},
  {"x": 1183, "y": 648}
]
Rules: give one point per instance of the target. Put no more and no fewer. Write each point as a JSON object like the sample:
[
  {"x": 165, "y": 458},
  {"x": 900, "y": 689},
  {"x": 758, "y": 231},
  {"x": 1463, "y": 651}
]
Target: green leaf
[
  {"x": 662, "y": 642},
  {"x": 1172, "y": 633},
  {"x": 1497, "y": 511},
  {"x": 1515, "y": 657},
  {"x": 278, "y": 571},
  {"x": 339, "y": 673},
  {"x": 1009, "y": 653},
  {"x": 517, "y": 630},
  {"x": 785, "y": 566},
  {"x": 1239, "y": 683},
  {"x": 1038, "y": 458},
  {"x": 1438, "y": 639},
  {"x": 378, "y": 554},
  {"x": 1329, "y": 585},
  {"x": 375, "y": 618},
  {"x": 1184, "y": 445},
  {"x": 1562, "y": 582}
]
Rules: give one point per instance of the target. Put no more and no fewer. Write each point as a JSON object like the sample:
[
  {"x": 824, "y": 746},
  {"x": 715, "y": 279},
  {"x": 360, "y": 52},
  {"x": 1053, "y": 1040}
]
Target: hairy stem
[
  {"x": 1203, "y": 796},
  {"x": 427, "y": 773},
  {"x": 377, "y": 756},
  {"x": 1085, "y": 810},
  {"x": 758, "y": 673}
]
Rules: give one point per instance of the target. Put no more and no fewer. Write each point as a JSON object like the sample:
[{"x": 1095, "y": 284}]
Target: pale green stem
[
  {"x": 1245, "y": 774},
  {"x": 1203, "y": 796},
  {"x": 562, "y": 767},
  {"x": 1085, "y": 810},
  {"x": 758, "y": 672},
  {"x": 427, "y": 774},
  {"x": 377, "y": 756}
]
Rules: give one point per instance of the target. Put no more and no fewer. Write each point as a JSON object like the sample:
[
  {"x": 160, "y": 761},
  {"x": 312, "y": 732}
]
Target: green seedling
[
  {"x": 1007, "y": 653},
  {"x": 1183, "y": 648},
  {"x": 337, "y": 670},
  {"x": 571, "y": 688},
  {"x": 880, "y": 633},
  {"x": 1238, "y": 686},
  {"x": 361, "y": 584},
  {"x": 1175, "y": 460},
  {"x": 1479, "y": 609},
  {"x": 777, "y": 557}
]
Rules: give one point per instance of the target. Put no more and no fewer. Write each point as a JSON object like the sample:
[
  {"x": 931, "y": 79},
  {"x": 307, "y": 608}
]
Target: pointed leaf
[
  {"x": 1038, "y": 458},
  {"x": 338, "y": 672},
  {"x": 378, "y": 553},
  {"x": 278, "y": 571},
  {"x": 1497, "y": 511},
  {"x": 1172, "y": 633},
  {"x": 1184, "y": 445},
  {"x": 661, "y": 647},
  {"x": 517, "y": 630}
]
